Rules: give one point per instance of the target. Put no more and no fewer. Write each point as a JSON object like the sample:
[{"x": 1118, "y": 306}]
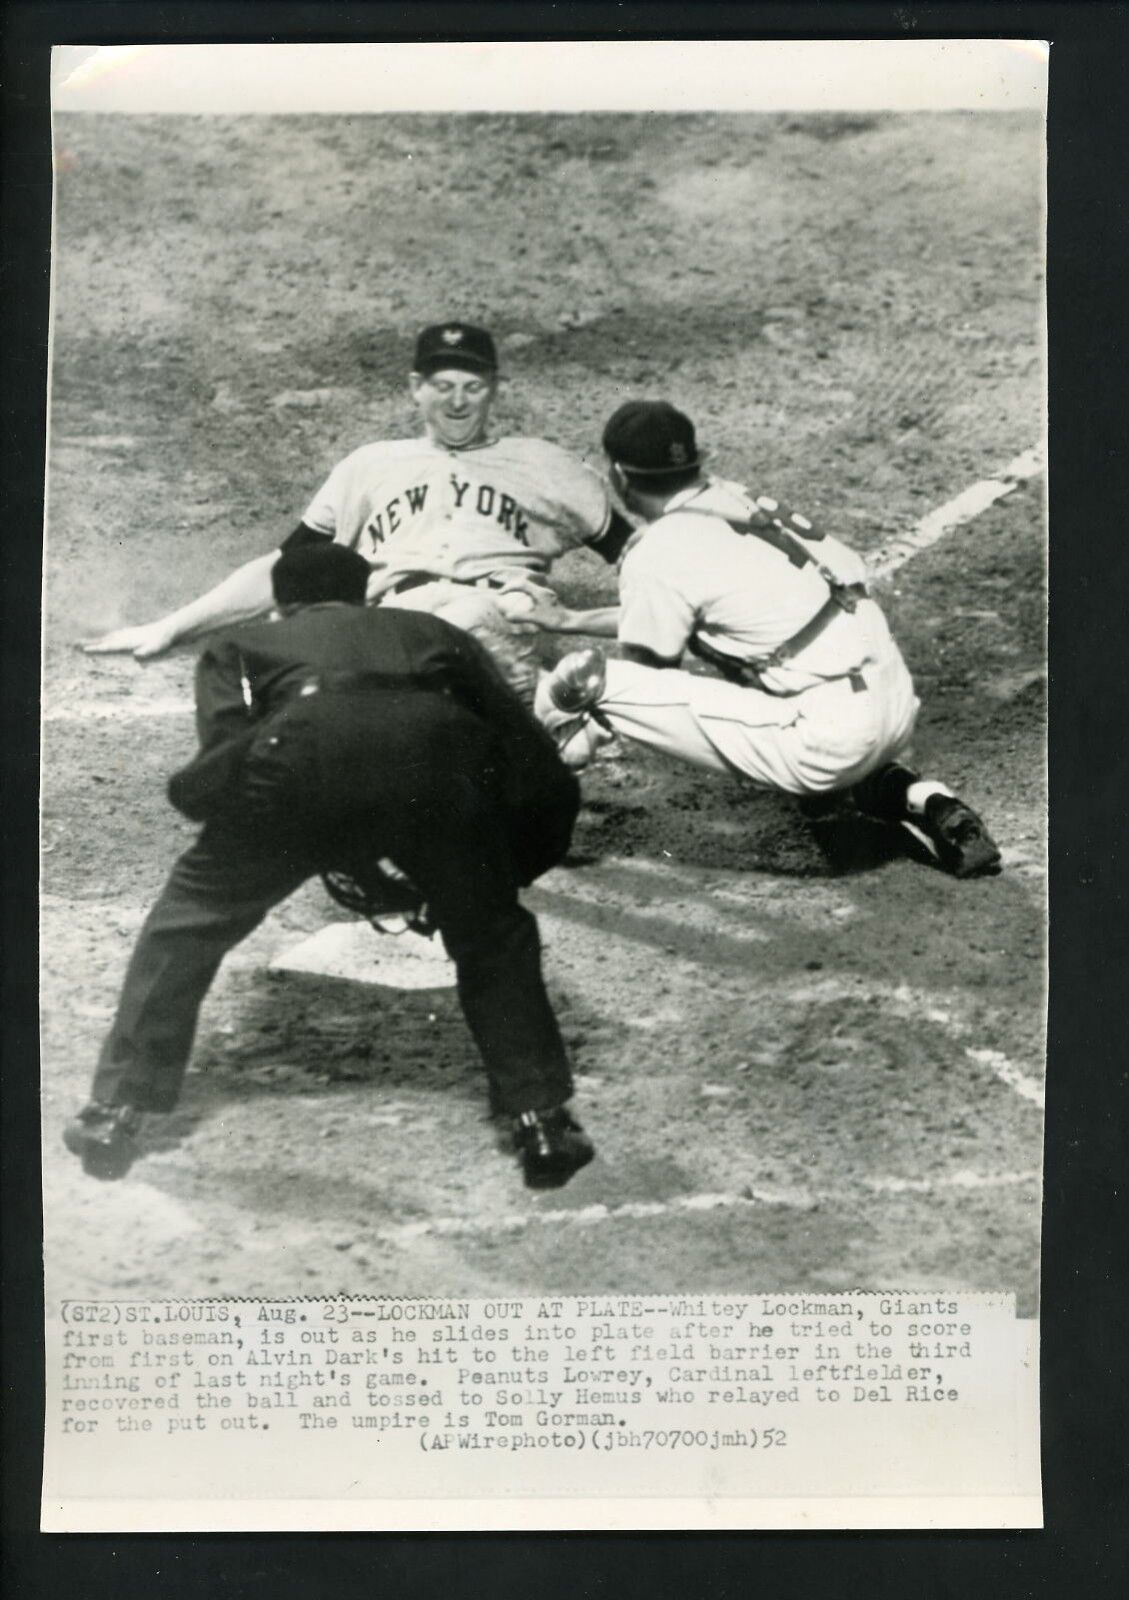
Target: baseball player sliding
[
  {"x": 446, "y": 521},
  {"x": 813, "y": 699}
]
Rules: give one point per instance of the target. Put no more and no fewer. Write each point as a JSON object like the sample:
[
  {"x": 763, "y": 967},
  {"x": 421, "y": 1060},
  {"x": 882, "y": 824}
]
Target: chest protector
[{"x": 789, "y": 533}]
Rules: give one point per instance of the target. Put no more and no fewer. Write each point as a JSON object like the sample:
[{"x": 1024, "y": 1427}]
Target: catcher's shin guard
[{"x": 882, "y": 795}]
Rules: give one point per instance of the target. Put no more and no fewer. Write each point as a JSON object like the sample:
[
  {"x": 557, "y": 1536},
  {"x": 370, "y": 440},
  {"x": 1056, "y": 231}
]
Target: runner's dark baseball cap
[
  {"x": 651, "y": 436},
  {"x": 455, "y": 344}
]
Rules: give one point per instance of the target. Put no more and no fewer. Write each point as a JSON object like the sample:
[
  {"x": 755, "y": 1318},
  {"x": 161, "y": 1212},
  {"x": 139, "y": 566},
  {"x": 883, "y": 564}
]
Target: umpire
[{"x": 337, "y": 734}]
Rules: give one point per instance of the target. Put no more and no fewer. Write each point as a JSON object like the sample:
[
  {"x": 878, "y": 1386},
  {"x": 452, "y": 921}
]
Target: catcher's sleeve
[{"x": 654, "y": 612}]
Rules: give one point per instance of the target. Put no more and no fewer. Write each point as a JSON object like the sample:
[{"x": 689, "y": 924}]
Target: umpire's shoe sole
[
  {"x": 552, "y": 1146},
  {"x": 105, "y": 1139},
  {"x": 963, "y": 845}
]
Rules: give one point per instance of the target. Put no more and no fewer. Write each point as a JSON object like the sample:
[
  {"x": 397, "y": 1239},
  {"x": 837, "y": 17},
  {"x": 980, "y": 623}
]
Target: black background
[{"x": 1085, "y": 1315}]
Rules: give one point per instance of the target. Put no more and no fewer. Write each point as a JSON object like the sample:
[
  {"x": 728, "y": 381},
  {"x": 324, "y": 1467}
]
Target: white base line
[
  {"x": 1007, "y": 1072},
  {"x": 920, "y": 1003},
  {"x": 116, "y": 710},
  {"x": 955, "y": 513},
  {"x": 592, "y": 1216}
]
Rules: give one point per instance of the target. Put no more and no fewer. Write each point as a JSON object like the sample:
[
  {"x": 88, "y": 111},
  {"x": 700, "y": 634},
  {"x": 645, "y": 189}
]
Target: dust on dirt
[{"x": 851, "y": 310}]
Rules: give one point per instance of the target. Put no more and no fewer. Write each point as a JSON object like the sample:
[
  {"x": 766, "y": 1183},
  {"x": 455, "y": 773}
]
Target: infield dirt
[{"x": 797, "y": 1077}]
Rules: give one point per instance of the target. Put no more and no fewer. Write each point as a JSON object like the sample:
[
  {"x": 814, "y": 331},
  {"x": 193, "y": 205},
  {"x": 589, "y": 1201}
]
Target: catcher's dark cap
[
  {"x": 651, "y": 436},
  {"x": 455, "y": 344},
  {"x": 313, "y": 573}
]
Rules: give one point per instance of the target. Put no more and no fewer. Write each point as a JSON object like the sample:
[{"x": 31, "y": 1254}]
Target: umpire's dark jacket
[{"x": 249, "y": 677}]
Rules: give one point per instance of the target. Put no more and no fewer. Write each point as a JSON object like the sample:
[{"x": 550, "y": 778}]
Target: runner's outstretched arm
[{"x": 246, "y": 592}]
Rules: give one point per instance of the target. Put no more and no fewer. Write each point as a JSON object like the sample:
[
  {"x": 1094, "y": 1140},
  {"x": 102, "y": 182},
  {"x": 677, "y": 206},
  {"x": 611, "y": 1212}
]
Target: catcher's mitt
[{"x": 379, "y": 892}]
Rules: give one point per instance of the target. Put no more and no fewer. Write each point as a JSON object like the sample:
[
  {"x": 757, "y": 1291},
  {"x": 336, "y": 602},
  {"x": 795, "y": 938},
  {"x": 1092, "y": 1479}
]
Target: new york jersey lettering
[{"x": 511, "y": 504}]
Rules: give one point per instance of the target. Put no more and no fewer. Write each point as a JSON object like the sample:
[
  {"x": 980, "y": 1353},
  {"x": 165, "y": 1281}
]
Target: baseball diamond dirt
[{"x": 796, "y": 1077}]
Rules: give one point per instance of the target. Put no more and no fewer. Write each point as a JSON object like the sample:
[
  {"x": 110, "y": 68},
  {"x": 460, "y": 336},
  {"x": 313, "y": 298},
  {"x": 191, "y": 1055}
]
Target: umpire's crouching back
[
  {"x": 338, "y": 731},
  {"x": 335, "y": 709}
]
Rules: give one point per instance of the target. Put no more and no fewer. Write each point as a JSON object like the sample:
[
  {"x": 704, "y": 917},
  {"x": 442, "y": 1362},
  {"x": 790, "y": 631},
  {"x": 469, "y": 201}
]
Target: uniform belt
[
  {"x": 856, "y": 678},
  {"x": 748, "y": 673},
  {"x": 416, "y": 580}
]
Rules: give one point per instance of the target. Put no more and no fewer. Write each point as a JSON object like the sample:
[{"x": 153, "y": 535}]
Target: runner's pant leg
[{"x": 217, "y": 893}]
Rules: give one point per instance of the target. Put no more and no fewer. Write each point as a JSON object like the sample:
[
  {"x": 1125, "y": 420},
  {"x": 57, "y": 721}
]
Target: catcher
[
  {"x": 331, "y": 737},
  {"x": 813, "y": 698}
]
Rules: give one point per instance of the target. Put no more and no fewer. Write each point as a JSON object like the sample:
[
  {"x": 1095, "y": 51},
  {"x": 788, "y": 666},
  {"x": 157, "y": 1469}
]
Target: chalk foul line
[
  {"x": 752, "y": 1197},
  {"x": 963, "y": 508},
  {"x": 1007, "y": 1072},
  {"x": 131, "y": 710},
  {"x": 921, "y": 1005}
]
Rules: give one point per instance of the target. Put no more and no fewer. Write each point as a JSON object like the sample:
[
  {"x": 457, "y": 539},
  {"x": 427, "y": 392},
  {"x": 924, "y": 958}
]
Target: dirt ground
[{"x": 798, "y": 1076}]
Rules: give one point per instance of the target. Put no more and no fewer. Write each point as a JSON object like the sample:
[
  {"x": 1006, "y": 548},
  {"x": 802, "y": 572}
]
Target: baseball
[{"x": 516, "y": 602}]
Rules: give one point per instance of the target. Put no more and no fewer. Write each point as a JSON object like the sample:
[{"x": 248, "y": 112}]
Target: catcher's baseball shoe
[
  {"x": 552, "y": 1146},
  {"x": 105, "y": 1139},
  {"x": 962, "y": 843},
  {"x": 578, "y": 680}
]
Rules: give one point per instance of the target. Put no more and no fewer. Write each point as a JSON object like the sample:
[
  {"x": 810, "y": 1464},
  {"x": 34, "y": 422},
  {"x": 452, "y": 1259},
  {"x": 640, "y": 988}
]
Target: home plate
[{"x": 357, "y": 953}]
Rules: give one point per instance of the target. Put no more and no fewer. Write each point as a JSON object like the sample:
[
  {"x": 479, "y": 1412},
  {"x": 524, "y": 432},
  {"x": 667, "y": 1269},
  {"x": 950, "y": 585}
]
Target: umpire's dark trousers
[{"x": 424, "y": 779}]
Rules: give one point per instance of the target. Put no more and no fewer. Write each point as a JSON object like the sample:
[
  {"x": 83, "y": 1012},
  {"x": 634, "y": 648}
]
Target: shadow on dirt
[
  {"x": 747, "y": 832},
  {"x": 301, "y": 1035}
]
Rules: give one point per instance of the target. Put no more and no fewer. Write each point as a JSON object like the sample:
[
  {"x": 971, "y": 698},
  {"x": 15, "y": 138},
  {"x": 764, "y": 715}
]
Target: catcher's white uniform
[{"x": 820, "y": 719}]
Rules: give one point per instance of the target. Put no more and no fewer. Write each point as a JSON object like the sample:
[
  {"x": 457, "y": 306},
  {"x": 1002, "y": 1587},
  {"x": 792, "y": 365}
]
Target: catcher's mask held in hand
[{"x": 379, "y": 892}]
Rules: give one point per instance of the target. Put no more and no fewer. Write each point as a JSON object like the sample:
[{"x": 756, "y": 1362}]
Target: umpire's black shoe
[
  {"x": 105, "y": 1138},
  {"x": 552, "y": 1146},
  {"x": 963, "y": 844}
]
